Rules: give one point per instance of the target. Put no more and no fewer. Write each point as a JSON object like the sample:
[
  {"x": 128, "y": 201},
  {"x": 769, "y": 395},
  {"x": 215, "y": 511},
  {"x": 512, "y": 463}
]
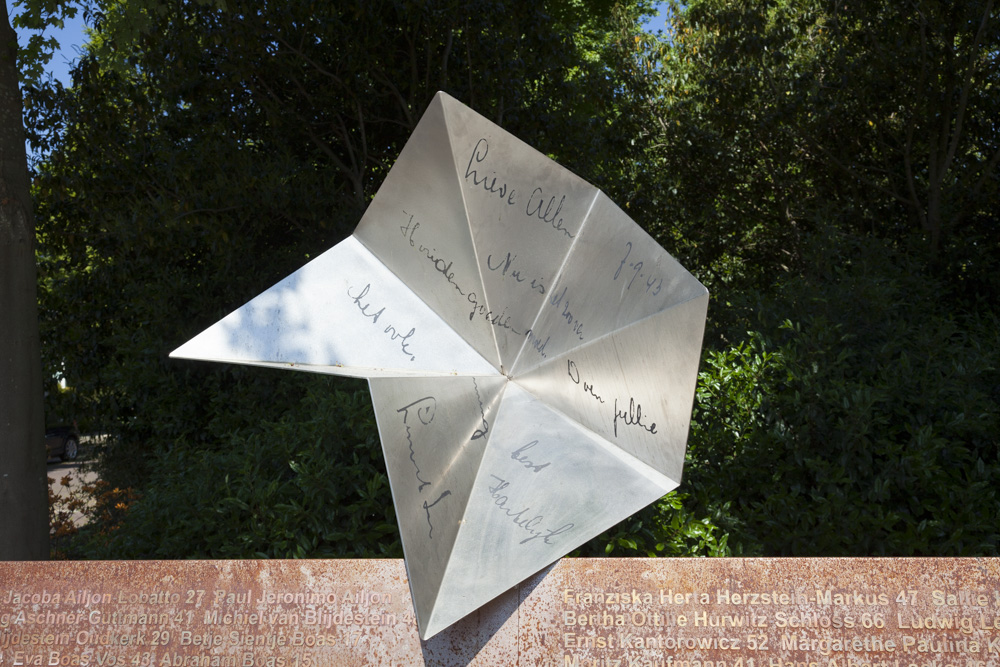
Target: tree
[
  {"x": 811, "y": 149},
  {"x": 221, "y": 150},
  {"x": 911, "y": 111},
  {"x": 23, "y": 480},
  {"x": 858, "y": 418}
]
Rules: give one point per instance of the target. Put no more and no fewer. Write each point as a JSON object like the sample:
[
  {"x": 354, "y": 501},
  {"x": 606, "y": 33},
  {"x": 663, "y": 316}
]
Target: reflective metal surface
[{"x": 532, "y": 355}]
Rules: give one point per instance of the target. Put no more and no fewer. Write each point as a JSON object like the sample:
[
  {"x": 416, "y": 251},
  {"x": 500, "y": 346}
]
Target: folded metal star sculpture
[{"x": 532, "y": 355}]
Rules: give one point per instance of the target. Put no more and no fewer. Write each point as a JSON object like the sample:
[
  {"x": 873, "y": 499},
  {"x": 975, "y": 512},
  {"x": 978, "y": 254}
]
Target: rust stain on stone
[{"x": 879, "y": 612}]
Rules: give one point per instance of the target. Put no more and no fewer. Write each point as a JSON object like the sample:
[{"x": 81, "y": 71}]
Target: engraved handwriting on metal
[
  {"x": 521, "y": 455},
  {"x": 425, "y": 415},
  {"x": 531, "y": 522},
  {"x": 537, "y": 344},
  {"x": 633, "y": 271},
  {"x": 540, "y": 205},
  {"x": 498, "y": 319},
  {"x": 484, "y": 426},
  {"x": 488, "y": 180},
  {"x": 390, "y": 329},
  {"x": 427, "y": 509},
  {"x": 441, "y": 265},
  {"x": 424, "y": 410},
  {"x": 574, "y": 374},
  {"x": 632, "y": 416},
  {"x": 558, "y": 301},
  {"x": 505, "y": 266}
]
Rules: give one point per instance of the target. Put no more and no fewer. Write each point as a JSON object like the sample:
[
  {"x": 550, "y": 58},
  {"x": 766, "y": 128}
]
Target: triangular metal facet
[
  {"x": 524, "y": 221},
  {"x": 314, "y": 319},
  {"x": 633, "y": 387},
  {"x": 434, "y": 433},
  {"x": 419, "y": 227},
  {"x": 544, "y": 486},
  {"x": 615, "y": 275}
]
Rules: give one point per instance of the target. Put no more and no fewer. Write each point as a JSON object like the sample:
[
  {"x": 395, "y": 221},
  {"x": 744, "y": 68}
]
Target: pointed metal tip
[{"x": 182, "y": 353}]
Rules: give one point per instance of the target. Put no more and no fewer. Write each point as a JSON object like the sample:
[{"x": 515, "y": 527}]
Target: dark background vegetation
[{"x": 828, "y": 170}]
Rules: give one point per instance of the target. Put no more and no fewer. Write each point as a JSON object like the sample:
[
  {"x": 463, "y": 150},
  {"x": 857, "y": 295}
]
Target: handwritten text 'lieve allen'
[{"x": 541, "y": 206}]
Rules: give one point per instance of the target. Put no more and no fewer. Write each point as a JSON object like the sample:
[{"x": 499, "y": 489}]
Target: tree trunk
[{"x": 24, "y": 532}]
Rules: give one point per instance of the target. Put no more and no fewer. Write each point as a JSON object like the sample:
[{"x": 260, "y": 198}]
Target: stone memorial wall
[{"x": 578, "y": 613}]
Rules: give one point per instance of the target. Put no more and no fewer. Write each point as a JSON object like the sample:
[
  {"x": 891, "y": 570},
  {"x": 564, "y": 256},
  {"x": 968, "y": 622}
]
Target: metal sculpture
[{"x": 532, "y": 355}]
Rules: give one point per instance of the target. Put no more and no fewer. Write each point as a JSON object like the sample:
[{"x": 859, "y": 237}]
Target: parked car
[{"x": 62, "y": 441}]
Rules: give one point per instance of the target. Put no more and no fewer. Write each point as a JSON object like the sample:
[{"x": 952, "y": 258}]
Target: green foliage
[
  {"x": 867, "y": 426},
  {"x": 38, "y": 16},
  {"x": 311, "y": 485},
  {"x": 828, "y": 170},
  {"x": 664, "y": 529},
  {"x": 761, "y": 122}
]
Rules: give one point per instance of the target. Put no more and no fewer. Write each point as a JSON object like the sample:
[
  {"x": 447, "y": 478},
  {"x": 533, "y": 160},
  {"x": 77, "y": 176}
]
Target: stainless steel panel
[
  {"x": 615, "y": 276},
  {"x": 545, "y": 486},
  {"x": 635, "y": 386},
  {"x": 435, "y": 432},
  {"x": 525, "y": 211},
  {"x": 343, "y": 313},
  {"x": 419, "y": 227}
]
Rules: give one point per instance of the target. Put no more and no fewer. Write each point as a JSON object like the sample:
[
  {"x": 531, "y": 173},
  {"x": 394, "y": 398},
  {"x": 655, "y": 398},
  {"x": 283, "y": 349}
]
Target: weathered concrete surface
[{"x": 581, "y": 612}]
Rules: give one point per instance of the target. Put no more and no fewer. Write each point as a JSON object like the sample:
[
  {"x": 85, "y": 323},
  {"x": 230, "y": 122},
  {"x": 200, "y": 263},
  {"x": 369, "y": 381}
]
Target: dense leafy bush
[
  {"x": 665, "y": 528},
  {"x": 868, "y": 425},
  {"x": 311, "y": 484}
]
